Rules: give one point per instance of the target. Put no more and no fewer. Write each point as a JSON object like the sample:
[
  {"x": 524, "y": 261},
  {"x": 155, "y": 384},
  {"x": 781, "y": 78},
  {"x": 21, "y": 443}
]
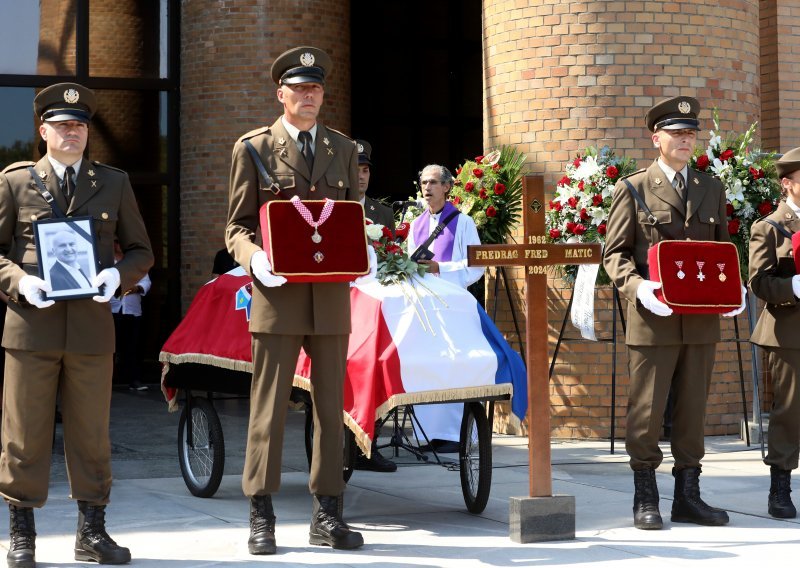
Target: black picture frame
[{"x": 61, "y": 243}]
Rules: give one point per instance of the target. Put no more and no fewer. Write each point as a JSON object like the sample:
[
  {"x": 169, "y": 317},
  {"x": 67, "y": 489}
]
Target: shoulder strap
[
  {"x": 643, "y": 206},
  {"x": 781, "y": 229},
  {"x": 262, "y": 169},
  {"x": 437, "y": 230},
  {"x": 57, "y": 212}
]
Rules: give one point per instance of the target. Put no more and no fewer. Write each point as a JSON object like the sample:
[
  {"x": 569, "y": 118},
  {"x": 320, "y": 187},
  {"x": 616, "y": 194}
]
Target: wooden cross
[{"x": 536, "y": 254}]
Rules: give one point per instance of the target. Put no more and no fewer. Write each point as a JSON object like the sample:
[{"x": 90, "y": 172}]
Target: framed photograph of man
[{"x": 67, "y": 255}]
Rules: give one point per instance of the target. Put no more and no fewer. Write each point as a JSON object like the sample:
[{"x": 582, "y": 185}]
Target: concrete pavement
[{"x": 414, "y": 517}]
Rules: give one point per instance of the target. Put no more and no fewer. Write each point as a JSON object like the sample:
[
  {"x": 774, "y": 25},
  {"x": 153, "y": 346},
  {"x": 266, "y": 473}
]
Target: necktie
[
  {"x": 680, "y": 187},
  {"x": 305, "y": 140},
  {"x": 69, "y": 183}
]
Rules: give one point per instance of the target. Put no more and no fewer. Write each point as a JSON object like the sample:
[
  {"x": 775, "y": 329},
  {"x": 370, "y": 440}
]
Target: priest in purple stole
[{"x": 442, "y": 422}]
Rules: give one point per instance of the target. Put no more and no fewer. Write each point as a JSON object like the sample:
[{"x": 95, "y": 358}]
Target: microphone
[{"x": 403, "y": 204}]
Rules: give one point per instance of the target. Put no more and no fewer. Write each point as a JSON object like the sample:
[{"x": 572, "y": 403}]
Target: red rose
[
  {"x": 491, "y": 211},
  {"x": 579, "y": 229},
  {"x": 572, "y": 202},
  {"x": 496, "y": 167},
  {"x": 702, "y": 162},
  {"x": 584, "y": 214},
  {"x": 612, "y": 172},
  {"x": 555, "y": 233},
  {"x": 483, "y": 194},
  {"x": 577, "y": 162},
  {"x": 456, "y": 200},
  {"x": 555, "y": 206},
  {"x": 478, "y": 173},
  {"x": 597, "y": 199},
  {"x": 564, "y": 181},
  {"x": 387, "y": 232},
  {"x": 571, "y": 227},
  {"x": 729, "y": 210},
  {"x": 478, "y": 159},
  {"x": 756, "y": 173},
  {"x": 401, "y": 232},
  {"x": 765, "y": 208},
  {"x": 726, "y": 155},
  {"x": 733, "y": 226},
  {"x": 601, "y": 229},
  {"x": 581, "y": 185},
  {"x": 469, "y": 187},
  {"x": 499, "y": 189},
  {"x": 393, "y": 248}
]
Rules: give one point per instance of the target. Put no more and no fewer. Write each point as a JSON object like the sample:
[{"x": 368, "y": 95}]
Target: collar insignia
[
  {"x": 281, "y": 141},
  {"x": 326, "y": 141},
  {"x": 91, "y": 173}
]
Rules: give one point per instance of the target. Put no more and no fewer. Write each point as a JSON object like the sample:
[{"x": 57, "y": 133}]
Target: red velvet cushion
[
  {"x": 796, "y": 251},
  {"x": 719, "y": 290},
  {"x": 341, "y": 255}
]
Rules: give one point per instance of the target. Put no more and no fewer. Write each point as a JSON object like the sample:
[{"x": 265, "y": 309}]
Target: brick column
[
  {"x": 227, "y": 48},
  {"x": 780, "y": 74},
  {"x": 560, "y": 75}
]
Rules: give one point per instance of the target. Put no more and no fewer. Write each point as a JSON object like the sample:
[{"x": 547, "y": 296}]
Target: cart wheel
[
  {"x": 350, "y": 446},
  {"x": 201, "y": 462},
  {"x": 475, "y": 456}
]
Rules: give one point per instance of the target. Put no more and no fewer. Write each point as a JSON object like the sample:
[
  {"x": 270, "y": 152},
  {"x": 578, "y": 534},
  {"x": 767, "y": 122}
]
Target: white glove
[
  {"x": 741, "y": 308},
  {"x": 796, "y": 285},
  {"x": 262, "y": 269},
  {"x": 373, "y": 268},
  {"x": 32, "y": 288},
  {"x": 648, "y": 299},
  {"x": 108, "y": 282}
]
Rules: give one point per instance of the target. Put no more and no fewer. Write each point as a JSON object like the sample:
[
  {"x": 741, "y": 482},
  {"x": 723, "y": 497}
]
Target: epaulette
[
  {"x": 253, "y": 133},
  {"x": 634, "y": 173},
  {"x": 18, "y": 166},
  {"x": 102, "y": 165},
  {"x": 340, "y": 133}
]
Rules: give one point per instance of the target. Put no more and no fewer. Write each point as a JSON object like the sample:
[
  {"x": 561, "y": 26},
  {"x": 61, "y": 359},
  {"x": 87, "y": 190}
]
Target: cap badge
[
  {"x": 307, "y": 59},
  {"x": 71, "y": 96},
  {"x": 684, "y": 107},
  {"x": 360, "y": 148}
]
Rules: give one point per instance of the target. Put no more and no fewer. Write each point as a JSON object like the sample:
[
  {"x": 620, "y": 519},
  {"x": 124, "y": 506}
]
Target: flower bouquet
[
  {"x": 751, "y": 184},
  {"x": 489, "y": 189},
  {"x": 394, "y": 265},
  {"x": 579, "y": 210}
]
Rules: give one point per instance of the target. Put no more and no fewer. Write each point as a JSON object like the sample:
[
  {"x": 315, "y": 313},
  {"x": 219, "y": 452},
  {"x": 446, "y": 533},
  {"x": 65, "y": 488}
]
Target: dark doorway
[{"x": 417, "y": 87}]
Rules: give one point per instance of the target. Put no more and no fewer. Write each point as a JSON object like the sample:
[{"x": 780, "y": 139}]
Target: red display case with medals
[
  {"x": 697, "y": 277},
  {"x": 796, "y": 251},
  {"x": 315, "y": 241}
]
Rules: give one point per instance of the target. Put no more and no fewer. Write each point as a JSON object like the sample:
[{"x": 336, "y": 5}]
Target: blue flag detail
[{"x": 244, "y": 300}]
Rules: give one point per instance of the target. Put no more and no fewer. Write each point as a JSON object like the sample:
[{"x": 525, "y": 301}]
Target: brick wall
[
  {"x": 562, "y": 75},
  {"x": 780, "y": 74},
  {"x": 227, "y": 48}
]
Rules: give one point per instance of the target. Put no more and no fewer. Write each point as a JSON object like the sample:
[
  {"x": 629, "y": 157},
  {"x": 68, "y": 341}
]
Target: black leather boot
[
  {"x": 780, "y": 489},
  {"x": 688, "y": 507},
  {"x": 22, "y": 548},
  {"x": 327, "y": 526},
  {"x": 262, "y": 526},
  {"x": 92, "y": 543},
  {"x": 646, "y": 515}
]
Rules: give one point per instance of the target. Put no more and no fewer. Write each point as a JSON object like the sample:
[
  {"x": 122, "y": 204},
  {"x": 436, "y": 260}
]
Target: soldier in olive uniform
[
  {"x": 666, "y": 350},
  {"x": 374, "y": 210},
  {"x": 312, "y": 162},
  {"x": 64, "y": 346},
  {"x": 774, "y": 279}
]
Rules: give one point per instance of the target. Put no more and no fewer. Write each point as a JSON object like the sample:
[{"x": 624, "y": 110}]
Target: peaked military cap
[
  {"x": 789, "y": 162},
  {"x": 65, "y": 101},
  {"x": 676, "y": 113},
  {"x": 364, "y": 152},
  {"x": 301, "y": 65}
]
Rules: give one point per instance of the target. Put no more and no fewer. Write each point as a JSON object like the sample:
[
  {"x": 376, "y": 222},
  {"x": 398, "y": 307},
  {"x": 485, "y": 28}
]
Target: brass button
[
  {"x": 341, "y": 183},
  {"x": 711, "y": 220},
  {"x": 104, "y": 216},
  {"x": 313, "y": 188},
  {"x": 33, "y": 217}
]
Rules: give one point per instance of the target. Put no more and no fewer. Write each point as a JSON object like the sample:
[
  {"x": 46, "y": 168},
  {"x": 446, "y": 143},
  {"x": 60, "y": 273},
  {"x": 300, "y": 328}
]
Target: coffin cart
[{"x": 392, "y": 366}]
